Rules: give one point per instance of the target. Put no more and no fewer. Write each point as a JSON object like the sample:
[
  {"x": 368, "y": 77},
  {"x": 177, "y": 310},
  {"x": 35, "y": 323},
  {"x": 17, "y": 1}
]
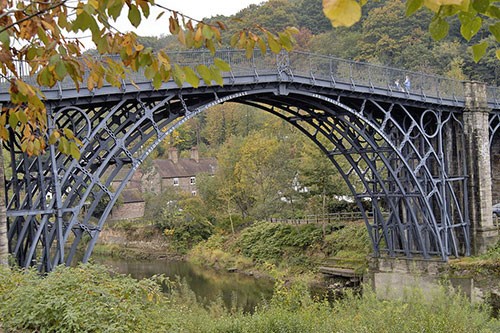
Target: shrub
[
  {"x": 82, "y": 299},
  {"x": 90, "y": 299}
]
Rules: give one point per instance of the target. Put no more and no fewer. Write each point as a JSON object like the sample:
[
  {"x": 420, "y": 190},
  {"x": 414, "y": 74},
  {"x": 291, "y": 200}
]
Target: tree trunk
[{"x": 4, "y": 248}]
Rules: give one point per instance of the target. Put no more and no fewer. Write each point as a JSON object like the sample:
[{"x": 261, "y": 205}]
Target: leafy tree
[
  {"x": 474, "y": 16},
  {"x": 386, "y": 34},
  {"x": 263, "y": 170},
  {"x": 318, "y": 175},
  {"x": 311, "y": 16}
]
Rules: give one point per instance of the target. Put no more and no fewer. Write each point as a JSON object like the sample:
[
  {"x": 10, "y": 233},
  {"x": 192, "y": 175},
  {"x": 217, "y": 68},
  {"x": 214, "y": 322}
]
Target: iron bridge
[{"x": 401, "y": 150}]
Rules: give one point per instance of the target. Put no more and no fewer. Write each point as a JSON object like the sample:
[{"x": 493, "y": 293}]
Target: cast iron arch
[{"x": 392, "y": 156}]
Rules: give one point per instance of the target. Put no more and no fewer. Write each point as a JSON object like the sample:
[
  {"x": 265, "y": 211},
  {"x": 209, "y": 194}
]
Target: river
[{"x": 235, "y": 289}]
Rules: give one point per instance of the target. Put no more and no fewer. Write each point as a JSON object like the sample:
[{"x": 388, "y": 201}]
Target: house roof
[
  {"x": 134, "y": 182},
  {"x": 185, "y": 167},
  {"x": 131, "y": 195}
]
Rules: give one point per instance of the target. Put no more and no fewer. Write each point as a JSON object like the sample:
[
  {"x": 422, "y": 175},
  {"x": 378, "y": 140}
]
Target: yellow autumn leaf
[
  {"x": 435, "y": 4},
  {"x": 342, "y": 13}
]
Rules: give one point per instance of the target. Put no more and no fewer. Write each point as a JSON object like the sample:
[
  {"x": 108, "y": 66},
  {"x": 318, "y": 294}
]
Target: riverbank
[
  {"x": 269, "y": 250},
  {"x": 288, "y": 253},
  {"x": 31, "y": 303}
]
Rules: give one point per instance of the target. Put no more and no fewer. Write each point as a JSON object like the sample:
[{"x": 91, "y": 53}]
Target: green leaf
[
  {"x": 234, "y": 39},
  {"x": 498, "y": 54},
  {"x": 149, "y": 72},
  {"x": 68, "y": 133},
  {"x": 205, "y": 74},
  {"x": 191, "y": 77},
  {"x": 479, "y": 50},
  {"x": 471, "y": 28},
  {"x": 438, "y": 28},
  {"x": 63, "y": 146},
  {"x": 115, "y": 10},
  {"x": 207, "y": 32},
  {"x": 216, "y": 76},
  {"x": 21, "y": 115},
  {"x": 43, "y": 36},
  {"x": 157, "y": 80},
  {"x": 413, "y": 5},
  {"x": 5, "y": 39},
  {"x": 82, "y": 22},
  {"x": 495, "y": 31},
  {"x": 178, "y": 75},
  {"x": 61, "y": 70},
  {"x": 74, "y": 151},
  {"x": 273, "y": 44},
  {"x": 210, "y": 46},
  {"x": 222, "y": 65},
  {"x": 13, "y": 121},
  {"x": 286, "y": 41},
  {"x": 481, "y": 5},
  {"x": 134, "y": 16},
  {"x": 493, "y": 12},
  {"x": 31, "y": 54}
]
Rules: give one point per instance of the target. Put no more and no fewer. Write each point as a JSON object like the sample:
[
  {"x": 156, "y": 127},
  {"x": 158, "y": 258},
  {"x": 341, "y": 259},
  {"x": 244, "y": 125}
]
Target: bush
[
  {"x": 90, "y": 299},
  {"x": 278, "y": 243},
  {"x": 82, "y": 299}
]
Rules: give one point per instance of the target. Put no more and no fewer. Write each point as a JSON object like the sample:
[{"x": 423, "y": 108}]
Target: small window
[
  {"x": 193, "y": 193},
  {"x": 193, "y": 180},
  {"x": 176, "y": 181}
]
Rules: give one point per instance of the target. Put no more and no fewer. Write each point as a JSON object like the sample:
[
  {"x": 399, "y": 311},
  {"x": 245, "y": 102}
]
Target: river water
[{"x": 235, "y": 289}]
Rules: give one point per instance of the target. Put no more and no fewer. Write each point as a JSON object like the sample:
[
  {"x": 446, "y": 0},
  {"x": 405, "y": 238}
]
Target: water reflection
[{"x": 235, "y": 289}]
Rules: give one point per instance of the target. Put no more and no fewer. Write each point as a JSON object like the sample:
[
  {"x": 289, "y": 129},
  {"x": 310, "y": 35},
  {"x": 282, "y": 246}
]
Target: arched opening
[{"x": 394, "y": 157}]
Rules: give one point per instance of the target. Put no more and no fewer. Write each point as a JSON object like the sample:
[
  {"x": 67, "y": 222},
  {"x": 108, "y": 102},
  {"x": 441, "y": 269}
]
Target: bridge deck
[{"x": 300, "y": 68}]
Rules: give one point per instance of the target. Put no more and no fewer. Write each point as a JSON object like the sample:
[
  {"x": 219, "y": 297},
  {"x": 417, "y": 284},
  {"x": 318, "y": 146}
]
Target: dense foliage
[
  {"x": 384, "y": 35},
  {"x": 89, "y": 299},
  {"x": 285, "y": 247}
]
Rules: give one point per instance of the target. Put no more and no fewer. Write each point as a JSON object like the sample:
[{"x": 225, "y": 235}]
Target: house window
[
  {"x": 193, "y": 193},
  {"x": 176, "y": 181},
  {"x": 193, "y": 180}
]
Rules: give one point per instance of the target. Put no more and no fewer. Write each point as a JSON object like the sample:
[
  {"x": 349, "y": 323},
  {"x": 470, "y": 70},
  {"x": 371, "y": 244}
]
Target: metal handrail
[{"x": 308, "y": 65}]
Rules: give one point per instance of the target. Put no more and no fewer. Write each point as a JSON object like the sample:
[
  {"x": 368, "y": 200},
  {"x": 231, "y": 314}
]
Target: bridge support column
[{"x": 477, "y": 154}]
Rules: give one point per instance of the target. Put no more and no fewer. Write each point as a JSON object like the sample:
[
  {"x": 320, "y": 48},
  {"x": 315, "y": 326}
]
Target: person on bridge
[
  {"x": 398, "y": 85},
  {"x": 407, "y": 84}
]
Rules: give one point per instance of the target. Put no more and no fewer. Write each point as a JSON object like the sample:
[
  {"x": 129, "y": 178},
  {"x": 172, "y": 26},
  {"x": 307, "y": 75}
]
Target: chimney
[
  {"x": 173, "y": 154},
  {"x": 194, "y": 154}
]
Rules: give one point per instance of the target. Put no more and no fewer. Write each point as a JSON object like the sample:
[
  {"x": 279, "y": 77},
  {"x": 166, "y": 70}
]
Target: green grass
[{"x": 89, "y": 299}]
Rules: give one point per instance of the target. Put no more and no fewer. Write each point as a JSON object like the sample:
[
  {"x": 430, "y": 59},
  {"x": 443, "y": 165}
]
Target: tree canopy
[
  {"x": 35, "y": 40},
  {"x": 474, "y": 16}
]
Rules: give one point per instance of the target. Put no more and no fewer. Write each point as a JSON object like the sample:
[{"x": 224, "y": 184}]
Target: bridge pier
[
  {"x": 395, "y": 278},
  {"x": 477, "y": 154}
]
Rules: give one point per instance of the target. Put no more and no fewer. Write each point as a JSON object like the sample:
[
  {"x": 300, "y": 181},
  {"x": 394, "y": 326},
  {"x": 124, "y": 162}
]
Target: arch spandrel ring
[{"x": 126, "y": 126}]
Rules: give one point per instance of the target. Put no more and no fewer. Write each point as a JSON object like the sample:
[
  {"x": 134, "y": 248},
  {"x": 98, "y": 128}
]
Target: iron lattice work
[
  {"x": 400, "y": 150},
  {"x": 494, "y": 126}
]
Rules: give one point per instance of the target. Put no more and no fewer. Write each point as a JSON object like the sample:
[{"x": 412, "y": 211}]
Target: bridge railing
[
  {"x": 309, "y": 65},
  {"x": 374, "y": 76},
  {"x": 322, "y": 219}
]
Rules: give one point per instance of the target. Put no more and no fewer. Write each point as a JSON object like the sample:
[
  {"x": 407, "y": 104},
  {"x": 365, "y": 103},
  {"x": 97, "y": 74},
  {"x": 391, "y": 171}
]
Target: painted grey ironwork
[
  {"x": 393, "y": 148},
  {"x": 494, "y": 126}
]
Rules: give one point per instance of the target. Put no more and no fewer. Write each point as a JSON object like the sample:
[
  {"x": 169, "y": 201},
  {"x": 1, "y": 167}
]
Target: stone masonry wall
[{"x": 128, "y": 211}]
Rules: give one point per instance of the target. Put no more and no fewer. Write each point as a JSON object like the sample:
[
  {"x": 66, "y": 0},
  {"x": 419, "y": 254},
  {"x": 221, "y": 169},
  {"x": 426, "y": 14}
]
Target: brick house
[
  {"x": 176, "y": 172},
  {"x": 131, "y": 202},
  {"x": 173, "y": 172}
]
